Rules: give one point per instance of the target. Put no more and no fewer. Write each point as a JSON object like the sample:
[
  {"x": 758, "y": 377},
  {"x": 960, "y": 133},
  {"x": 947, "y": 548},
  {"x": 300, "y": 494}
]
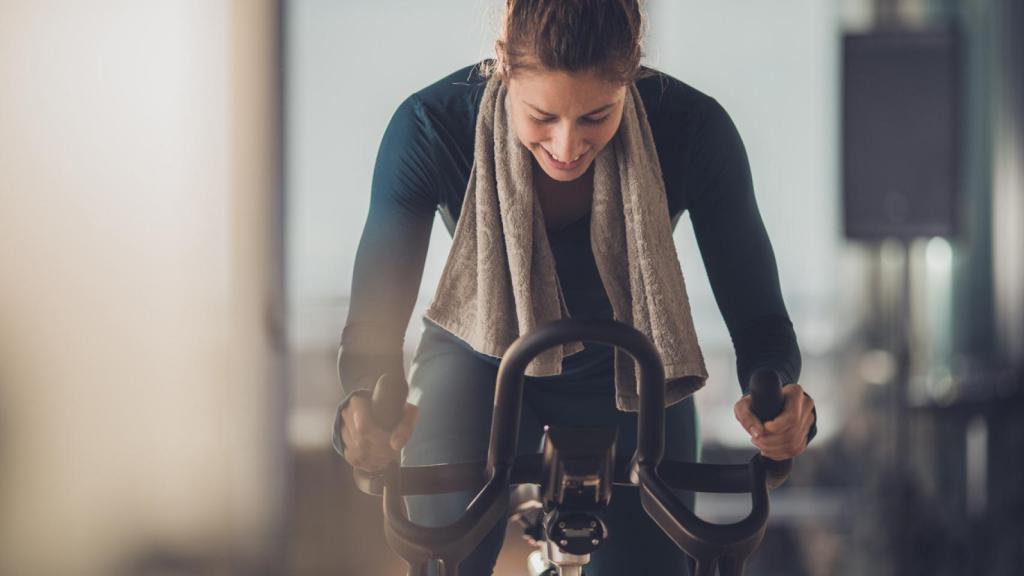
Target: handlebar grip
[
  {"x": 388, "y": 404},
  {"x": 766, "y": 401}
]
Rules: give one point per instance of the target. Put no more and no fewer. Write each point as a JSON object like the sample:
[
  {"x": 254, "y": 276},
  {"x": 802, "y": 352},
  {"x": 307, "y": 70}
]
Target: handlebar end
[{"x": 766, "y": 395}]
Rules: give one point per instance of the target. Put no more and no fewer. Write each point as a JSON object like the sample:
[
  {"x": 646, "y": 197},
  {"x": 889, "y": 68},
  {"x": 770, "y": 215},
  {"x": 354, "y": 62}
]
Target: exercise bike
[{"x": 572, "y": 477}]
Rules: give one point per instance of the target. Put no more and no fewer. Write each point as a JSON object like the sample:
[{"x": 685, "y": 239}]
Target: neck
[
  {"x": 563, "y": 202},
  {"x": 546, "y": 184}
]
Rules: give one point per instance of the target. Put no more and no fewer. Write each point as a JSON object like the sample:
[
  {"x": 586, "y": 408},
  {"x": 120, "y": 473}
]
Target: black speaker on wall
[{"x": 900, "y": 134}]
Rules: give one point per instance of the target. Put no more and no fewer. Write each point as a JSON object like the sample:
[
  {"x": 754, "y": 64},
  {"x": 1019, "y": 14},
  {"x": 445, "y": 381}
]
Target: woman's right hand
[{"x": 368, "y": 446}]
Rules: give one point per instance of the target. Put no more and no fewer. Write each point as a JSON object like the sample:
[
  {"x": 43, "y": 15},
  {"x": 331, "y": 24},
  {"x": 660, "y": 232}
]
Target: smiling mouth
[{"x": 565, "y": 165}]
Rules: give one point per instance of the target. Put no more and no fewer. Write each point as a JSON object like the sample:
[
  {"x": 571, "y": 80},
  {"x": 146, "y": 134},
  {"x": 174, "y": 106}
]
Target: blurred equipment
[
  {"x": 901, "y": 147},
  {"x": 931, "y": 122}
]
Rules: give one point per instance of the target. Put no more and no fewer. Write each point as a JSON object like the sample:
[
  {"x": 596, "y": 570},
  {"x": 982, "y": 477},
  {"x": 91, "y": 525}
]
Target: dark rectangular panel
[{"x": 901, "y": 150}]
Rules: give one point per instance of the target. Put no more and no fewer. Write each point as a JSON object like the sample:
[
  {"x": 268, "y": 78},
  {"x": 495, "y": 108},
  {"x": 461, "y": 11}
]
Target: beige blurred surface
[{"x": 138, "y": 296}]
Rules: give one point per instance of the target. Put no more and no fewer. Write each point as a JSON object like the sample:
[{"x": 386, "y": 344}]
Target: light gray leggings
[{"x": 456, "y": 394}]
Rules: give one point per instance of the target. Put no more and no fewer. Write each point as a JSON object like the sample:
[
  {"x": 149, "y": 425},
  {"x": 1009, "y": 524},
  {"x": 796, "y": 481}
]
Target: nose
[{"x": 566, "y": 143}]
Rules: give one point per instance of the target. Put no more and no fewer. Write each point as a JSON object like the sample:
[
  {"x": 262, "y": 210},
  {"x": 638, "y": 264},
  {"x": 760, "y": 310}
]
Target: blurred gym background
[{"x": 183, "y": 184}]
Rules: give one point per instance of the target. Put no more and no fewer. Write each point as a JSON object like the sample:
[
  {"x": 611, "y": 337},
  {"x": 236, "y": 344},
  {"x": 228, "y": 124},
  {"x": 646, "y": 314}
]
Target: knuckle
[
  {"x": 348, "y": 417},
  {"x": 354, "y": 406}
]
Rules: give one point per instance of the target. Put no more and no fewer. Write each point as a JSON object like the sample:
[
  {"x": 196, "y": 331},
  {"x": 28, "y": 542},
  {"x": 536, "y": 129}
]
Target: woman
[{"x": 566, "y": 100}]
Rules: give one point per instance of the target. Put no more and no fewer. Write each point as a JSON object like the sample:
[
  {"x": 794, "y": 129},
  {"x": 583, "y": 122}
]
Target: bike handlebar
[
  {"x": 512, "y": 370},
  {"x": 767, "y": 402},
  {"x": 701, "y": 539},
  {"x": 387, "y": 406}
]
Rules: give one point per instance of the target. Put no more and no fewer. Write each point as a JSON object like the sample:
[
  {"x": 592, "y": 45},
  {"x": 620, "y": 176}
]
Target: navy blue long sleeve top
[{"x": 423, "y": 166}]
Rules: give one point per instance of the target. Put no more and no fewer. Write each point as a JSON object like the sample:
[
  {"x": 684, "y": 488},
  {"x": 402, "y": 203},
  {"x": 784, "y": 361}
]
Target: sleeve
[
  {"x": 736, "y": 251},
  {"x": 392, "y": 249}
]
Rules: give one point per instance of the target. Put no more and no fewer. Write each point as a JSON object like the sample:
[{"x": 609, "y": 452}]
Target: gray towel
[{"x": 500, "y": 280}]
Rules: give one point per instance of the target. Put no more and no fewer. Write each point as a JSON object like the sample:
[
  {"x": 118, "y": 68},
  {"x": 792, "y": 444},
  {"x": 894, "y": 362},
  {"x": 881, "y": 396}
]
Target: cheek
[
  {"x": 530, "y": 134},
  {"x": 604, "y": 135},
  {"x": 601, "y": 137}
]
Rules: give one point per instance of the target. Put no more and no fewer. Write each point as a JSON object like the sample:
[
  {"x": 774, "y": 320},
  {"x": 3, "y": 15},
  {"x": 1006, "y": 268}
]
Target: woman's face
[{"x": 564, "y": 119}]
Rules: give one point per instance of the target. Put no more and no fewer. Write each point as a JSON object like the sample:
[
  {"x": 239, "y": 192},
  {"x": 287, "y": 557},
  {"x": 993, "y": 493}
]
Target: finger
[
  {"x": 777, "y": 441},
  {"x": 399, "y": 437},
  {"x": 799, "y": 449},
  {"x": 746, "y": 417},
  {"x": 367, "y": 432},
  {"x": 381, "y": 458},
  {"x": 370, "y": 458},
  {"x": 805, "y": 427},
  {"x": 372, "y": 463},
  {"x": 781, "y": 424},
  {"x": 352, "y": 451},
  {"x": 787, "y": 433},
  {"x": 404, "y": 430},
  {"x": 786, "y": 452},
  {"x": 792, "y": 410},
  {"x": 794, "y": 389},
  {"x": 782, "y": 451},
  {"x": 360, "y": 409},
  {"x": 796, "y": 446},
  {"x": 346, "y": 437},
  {"x": 370, "y": 450}
]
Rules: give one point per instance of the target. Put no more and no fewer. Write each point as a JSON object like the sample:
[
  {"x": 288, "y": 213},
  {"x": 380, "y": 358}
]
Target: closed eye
[{"x": 585, "y": 119}]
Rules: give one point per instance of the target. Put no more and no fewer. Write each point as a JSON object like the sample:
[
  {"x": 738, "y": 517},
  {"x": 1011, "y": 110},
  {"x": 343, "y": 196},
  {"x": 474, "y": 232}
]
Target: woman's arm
[
  {"x": 389, "y": 261},
  {"x": 739, "y": 259},
  {"x": 736, "y": 251}
]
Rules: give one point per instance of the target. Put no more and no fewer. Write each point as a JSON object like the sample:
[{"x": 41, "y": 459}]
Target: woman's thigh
[{"x": 455, "y": 391}]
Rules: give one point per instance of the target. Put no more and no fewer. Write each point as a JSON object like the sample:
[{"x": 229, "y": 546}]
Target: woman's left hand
[{"x": 786, "y": 436}]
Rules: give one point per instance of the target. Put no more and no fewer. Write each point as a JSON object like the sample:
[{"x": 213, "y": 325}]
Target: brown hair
[{"x": 570, "y": 36}]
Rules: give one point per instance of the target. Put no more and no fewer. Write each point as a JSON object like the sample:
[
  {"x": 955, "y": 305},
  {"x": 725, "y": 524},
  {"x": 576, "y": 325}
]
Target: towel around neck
[{"x": 500, "y": 280}]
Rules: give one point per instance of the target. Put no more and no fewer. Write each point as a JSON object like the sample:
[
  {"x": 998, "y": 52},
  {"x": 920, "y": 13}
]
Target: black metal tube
[
  {"x": 511, "y": 372},
  {"x": 767, "y": 402},
  {"x": 452, "y": 542}
]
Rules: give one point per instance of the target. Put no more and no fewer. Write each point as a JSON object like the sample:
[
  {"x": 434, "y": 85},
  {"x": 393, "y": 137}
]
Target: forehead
[{"x": 559, "y": 92}]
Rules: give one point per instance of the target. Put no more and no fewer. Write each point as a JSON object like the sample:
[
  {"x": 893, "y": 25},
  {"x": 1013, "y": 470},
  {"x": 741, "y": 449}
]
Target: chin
[{"x": 561, "y": 177}]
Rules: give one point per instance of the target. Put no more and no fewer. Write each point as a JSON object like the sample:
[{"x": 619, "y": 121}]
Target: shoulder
[
  {"x": 693, "y": 134},
  {"x": 461, "y": 86},
  {"x": 451, "y": 102},
  {"x": 675, "y": 107}
]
